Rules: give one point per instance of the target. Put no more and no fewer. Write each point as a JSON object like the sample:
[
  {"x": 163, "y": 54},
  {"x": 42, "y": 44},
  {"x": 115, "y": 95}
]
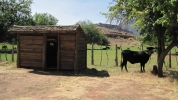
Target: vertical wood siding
[
  {"x": 82, "y": 50},
  {"x": 71, "y": 49},
  {"x": 31, "y": 51},
  {"x": 67, "y": 51}
]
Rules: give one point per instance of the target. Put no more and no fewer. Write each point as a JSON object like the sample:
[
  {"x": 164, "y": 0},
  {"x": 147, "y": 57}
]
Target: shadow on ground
[
  {"x": 174, "y": 74},
  {"x": 84, "y": 72},
  {"x": 171, "y": 73}
]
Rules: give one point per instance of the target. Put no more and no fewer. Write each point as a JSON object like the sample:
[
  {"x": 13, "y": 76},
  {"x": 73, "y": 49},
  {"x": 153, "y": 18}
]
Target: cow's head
[{"x": 150, "y": 50}]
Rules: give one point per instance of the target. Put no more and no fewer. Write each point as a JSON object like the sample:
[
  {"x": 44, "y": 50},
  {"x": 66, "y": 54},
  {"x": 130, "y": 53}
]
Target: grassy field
[
  {"x": 9, "y": 55},
  {"x": 105, "y": 59},
  {"x": 105, "y": 82},
  {"x": 110, "y": 62}
]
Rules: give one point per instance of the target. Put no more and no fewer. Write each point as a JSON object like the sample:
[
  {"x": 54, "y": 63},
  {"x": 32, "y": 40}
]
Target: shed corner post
[
  {"x": 76, "y": 52},
  {"x": 86, "y": 55}
]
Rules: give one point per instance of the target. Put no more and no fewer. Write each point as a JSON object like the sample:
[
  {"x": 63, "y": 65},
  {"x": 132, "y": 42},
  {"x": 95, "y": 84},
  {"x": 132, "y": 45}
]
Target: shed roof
[{"x": 16, "y": 29}]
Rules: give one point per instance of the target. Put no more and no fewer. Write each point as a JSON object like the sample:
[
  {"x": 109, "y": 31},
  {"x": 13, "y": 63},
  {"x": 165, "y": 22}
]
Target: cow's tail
[{"x": 121, "y": 59}]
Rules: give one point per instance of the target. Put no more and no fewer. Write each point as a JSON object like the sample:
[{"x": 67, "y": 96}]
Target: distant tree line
[
  {"x": 13, "y": 12},
  {"x": 18, "y": 12}
]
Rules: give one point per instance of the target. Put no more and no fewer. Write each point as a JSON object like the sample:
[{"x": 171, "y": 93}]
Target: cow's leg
[
  {"x": 124, "y": 63},
  {"x": 141, "y": 68},
  {"x": 126, "y": 67}
]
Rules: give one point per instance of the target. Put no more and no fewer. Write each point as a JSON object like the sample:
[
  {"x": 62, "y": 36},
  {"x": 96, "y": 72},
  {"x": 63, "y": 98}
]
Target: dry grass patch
[{"x": 89, "y": 84}]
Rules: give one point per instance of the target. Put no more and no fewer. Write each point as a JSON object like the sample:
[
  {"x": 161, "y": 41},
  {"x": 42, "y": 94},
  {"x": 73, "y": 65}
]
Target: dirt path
[{"x": 28, "y": 84}]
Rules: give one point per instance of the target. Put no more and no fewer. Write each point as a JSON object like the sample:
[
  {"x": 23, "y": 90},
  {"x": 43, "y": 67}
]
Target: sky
[{"x": 68, "y": 12}]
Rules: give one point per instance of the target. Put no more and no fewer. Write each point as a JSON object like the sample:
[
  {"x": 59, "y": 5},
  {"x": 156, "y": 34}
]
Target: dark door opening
[{"x": 51, "y": 54}]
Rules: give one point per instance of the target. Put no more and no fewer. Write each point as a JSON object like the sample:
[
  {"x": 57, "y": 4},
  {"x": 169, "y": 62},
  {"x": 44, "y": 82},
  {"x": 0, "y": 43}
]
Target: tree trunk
[
  {"x": 159, "y": 61},
  {"x": 162, "y": 56},
  {"x": 161, "y": 46}
]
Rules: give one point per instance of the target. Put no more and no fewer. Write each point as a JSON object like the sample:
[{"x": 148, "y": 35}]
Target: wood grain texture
[{"x": 71, "y": 48}]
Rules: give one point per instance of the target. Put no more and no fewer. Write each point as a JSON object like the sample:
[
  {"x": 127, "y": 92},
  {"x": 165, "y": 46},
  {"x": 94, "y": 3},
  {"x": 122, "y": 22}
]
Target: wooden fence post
[
  {"x": 170, "y": 60},
  {"x": 92, "y": 54},
  {"x": 101, "y": 54},
  {"x": 176, "y": 56},
  {"x": 107, "y": 56},
  {"x": 6, "y": 53},
  {"x": 12, "y": 51},
  {"x": 142, "y": 46},
  {"x": 116, "y": 59}
]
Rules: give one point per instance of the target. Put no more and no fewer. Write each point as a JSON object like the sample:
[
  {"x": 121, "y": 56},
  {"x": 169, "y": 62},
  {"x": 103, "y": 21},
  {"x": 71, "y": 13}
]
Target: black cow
[
  {"x": 106, "y": 48},
  {"x": 133, "y": 57}
]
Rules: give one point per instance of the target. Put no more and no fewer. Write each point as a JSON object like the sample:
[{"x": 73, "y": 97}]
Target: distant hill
[
  {"x": 129, "y": 29},
  {"x": 117, "y": 35}
]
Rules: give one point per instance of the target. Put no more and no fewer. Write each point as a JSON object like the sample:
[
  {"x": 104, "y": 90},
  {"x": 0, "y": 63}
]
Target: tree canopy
[
  {"x": 154, "y": 18},
  {"x": 44, "y": 19},
  {"x": 93, "y": 34},
  {"x": 11, "y": 12}
]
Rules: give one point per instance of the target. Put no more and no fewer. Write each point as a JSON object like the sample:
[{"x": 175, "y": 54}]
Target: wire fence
[
  {"x": 8, "y": 52},
  {"x": 110, "y": 56},
  {"x": 97, "y": 55}
]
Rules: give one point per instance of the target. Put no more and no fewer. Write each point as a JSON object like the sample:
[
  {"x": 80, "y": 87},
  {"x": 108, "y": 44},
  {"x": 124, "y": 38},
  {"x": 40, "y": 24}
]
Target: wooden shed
[{"x": 51, "y": 47}]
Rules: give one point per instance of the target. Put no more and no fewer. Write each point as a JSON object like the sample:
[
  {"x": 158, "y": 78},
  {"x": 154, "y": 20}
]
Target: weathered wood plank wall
[
  {"x": 31, "y": 50},
  {"x": 67, "y": 51},
  {"x": 82, "y": 50},
  {"x": 33, "y": 47}
]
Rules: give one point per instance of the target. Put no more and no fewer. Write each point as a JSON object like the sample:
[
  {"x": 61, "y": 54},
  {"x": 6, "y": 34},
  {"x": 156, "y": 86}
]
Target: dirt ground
[{"x": 90, "y": 84}]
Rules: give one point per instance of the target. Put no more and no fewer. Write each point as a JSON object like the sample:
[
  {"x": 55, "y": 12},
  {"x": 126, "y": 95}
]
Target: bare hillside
[{"x": 117, "y": 36}]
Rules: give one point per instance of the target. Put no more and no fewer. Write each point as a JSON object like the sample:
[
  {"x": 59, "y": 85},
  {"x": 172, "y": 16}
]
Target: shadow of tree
[
  {"x": 84, "y": 72},
  {"x": 172, "y": 74}
]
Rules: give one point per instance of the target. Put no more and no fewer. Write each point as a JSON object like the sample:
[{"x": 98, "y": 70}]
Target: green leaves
[
  {"x": 44, "y": 19},
  {"x": 93, "y": 34},
  {"x": 13, "y": 12},
  {"x": 150, "y": 16}
]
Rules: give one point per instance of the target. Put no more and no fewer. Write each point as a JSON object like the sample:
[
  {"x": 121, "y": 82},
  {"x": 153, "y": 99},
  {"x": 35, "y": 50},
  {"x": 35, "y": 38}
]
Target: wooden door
[{"x": 51, "y": 52}]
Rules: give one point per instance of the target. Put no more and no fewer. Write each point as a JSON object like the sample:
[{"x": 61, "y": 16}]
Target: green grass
[
  {"x": 9, "y": 56},
  {"x": 9, "y": 46},
  {"x": 110, "y": 62}
]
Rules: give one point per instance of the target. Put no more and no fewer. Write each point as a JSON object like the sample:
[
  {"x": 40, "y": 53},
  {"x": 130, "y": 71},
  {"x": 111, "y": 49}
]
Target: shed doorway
[{"x": 51, "y": 53}]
